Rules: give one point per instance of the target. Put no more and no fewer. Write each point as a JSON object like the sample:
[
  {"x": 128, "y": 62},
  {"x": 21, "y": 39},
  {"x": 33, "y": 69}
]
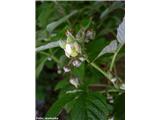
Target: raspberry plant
[{"x": 80, "y": 60}]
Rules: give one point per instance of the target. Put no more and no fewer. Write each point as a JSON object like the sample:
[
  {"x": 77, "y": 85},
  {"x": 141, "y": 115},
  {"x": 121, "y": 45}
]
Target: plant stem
[
  {"x": 108, "y": 75},
  {"x": 114, "y": 56},
  {"x": 55, "y": 59},
  {"x": 52, "y": 56}
]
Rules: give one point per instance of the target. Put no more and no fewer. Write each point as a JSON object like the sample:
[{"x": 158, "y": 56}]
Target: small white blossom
[
  {"x": 74, "y": 81},
  {"x": 122, "y": 86},
  {"x": 49, "y": 58},
  {"x": 66, "y": 69},
  {"x": 114, "y": 80},
  {"x": 76, "y": 63},
  {"x": 109, "y": 97},
  {"x": 112, "y": 118},
  {"x": 59, "y": 71},
  {"x": 111, "y": 101},
  {"x": 81, "y": 59},
  {"x": 69, "y": 48},
  {"x": 72, "y": 49}
]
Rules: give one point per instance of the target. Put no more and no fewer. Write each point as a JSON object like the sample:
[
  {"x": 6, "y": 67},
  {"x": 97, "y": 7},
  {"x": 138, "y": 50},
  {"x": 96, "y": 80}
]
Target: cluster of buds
[
  {"x": 70, "y": 46},
  {"x": 73, "y": 50}
]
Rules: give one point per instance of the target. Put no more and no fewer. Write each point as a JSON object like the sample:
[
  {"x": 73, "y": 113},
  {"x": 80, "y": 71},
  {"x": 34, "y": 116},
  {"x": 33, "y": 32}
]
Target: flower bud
[
  {"x": 90, "y": 34},
  {"x": 114, "y": 80},
  {"x": 49, "y": 59},
  {"x": 74, "y": 81},
  {"x": 122, "y": 86},
  {"x": 70, "y": 37},
  {"x": 66, "y": 69},
  {"x": 76, "y": 63},
  {"x": 72, "y": 49}
]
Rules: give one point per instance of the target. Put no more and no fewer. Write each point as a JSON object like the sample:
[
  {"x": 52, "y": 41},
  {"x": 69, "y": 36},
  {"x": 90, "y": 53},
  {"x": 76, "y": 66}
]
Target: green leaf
[
  {"x": 111, "y": 48},
  {"x": 121, "y": 32},
  {"x": 44, "y": 12},
  {"x": 80, "y": 71},
  {"x": 61, "y": 84},
  {"x": 90, "y": 106},
  {"x": 48, "y": 46},
  {"x": 56, "y": 108},
  {"x": 41, "y": 35},
  {"x": 55, "y": 24},
  {"x": 114, "y": 6},
  {"x": 119, "y": 107},
  {"x": 40, "y": 94},
  {"x": 99, "y": 44},
  {"x": 40, "y": 66}
]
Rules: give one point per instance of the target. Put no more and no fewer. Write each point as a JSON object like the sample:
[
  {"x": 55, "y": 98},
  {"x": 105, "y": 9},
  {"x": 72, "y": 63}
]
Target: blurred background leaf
[{"x": 121, "y": 32}]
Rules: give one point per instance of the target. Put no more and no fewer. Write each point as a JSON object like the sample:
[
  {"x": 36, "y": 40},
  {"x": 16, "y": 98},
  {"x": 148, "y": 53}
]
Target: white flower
[
  {"x": 70, "y": 46},
  {"x": 66, "y": 69},
  {"x": 72, "y": 49},
  {"x": 68, "y": 50},
  {"x": 74, "y": 81},
  {"x": 76, "y": 63},
  {"x": 49, "y": 58},
  {"x": 122, "y": 86},
  {"x": 113, "y": 80},
  {"x": 109, "y": 97},
  {"x": 111, "y": 101},
  {"x": 59, "y": 71},
  {"x": 112, "y": 118}
]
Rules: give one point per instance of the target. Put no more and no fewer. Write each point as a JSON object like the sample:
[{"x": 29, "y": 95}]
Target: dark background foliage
[{"x": 105, "y": 17}]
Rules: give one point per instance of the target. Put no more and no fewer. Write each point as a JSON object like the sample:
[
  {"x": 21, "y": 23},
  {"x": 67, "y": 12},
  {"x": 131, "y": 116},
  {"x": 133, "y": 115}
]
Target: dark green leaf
[
  {"x": 79, "y": 71},
  {"x": 45, "y": 12},
  {"x": 99, "y": 44},
  {"x": 55, "y": 24},
  {"x": 114, "y": 6},
  {"x": 40, "y": 66},
  {"x": 90, "y": 106},
  {"x": 56, "y": 108},
  {"x": 119, "y": 107},
  {"x": 61, "y": 84},
  {"x": 111, "y": 48}
]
